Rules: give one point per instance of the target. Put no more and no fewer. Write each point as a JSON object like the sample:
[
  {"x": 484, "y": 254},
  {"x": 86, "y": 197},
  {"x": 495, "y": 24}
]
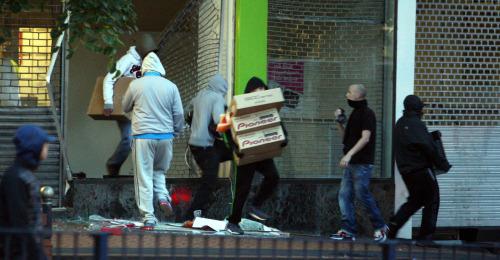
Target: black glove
[
  {"x": 240, "y": 155},
  {"x": 341, "y": 118},
  {"x": 285, "y": 143}
]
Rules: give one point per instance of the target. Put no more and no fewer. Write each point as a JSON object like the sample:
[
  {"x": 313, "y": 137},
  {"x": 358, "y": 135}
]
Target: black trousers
[
  {"x": 424, "y": 192},
  {"x": 208, "y": 158},
  {"x": 244, "y": 177}
]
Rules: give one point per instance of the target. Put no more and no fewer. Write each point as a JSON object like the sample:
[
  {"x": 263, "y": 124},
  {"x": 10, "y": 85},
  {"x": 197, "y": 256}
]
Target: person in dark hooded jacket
[
  {"x": 20, "y": 200},
  {"x": 205, "y": 143},
  {"x": 417, "y": 156},
  {"x": 244, "y": 177}
]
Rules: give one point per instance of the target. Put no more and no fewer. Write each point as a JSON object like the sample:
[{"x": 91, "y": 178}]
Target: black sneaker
[
  {"x": 234, "y": 229},
  {"x": 257, "y": 213}
]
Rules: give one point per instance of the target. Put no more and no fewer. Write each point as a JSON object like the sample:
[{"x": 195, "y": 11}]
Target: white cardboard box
[
  {"x": 260, "y": 141},
  {"x": 255, "y": 121},
  {"x": 256, "y": 101}
]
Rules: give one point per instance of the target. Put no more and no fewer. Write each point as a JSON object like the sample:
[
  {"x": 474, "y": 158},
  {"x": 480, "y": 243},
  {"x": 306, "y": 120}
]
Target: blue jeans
[
  {"x": 123, "y": 149},
  {"x": 356, "y": 184}
]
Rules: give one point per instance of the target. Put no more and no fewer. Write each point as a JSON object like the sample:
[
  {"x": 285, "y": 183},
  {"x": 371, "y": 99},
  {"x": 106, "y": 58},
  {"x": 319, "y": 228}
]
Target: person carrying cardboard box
[
  {"x": 244, "y": 177},
  {"x": 128, "y": 65}
]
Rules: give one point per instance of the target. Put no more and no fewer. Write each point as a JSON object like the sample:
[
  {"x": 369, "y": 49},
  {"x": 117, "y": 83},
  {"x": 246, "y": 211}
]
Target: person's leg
[
  {"x": 413, "y": 204},
  {"x": 225, "y": 153},
  {"x": 362, "y": 191},
  {"x": 346, "y": 201},
  {"x": 271, "y": 178},
  {"x": 208, "y": 160},
  {"x": 244, "y": 176},
  {"x": 431, "y": 207},
  {"x": 162, "y": 159},
  {"x": 143, "y": 157},
  {"x": 123, "y": 149}
]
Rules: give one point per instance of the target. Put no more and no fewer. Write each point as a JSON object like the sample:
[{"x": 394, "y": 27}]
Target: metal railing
[
  {"x": 139, "y": 245},
  {"x": 133, "y": 243}
]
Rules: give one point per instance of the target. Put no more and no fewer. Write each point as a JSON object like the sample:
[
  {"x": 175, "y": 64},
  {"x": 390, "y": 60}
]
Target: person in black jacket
[
  {"x": 20, "y": 200},
  {"x": 244, "y": 176},
  {"x": 417, "y": 156}
]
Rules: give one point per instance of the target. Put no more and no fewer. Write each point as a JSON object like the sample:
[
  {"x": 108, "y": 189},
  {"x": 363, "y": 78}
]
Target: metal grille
[
  {"x": 23, "y": 93},
  {"x": 316, "y": 49},
  {"x": 457, "y": 73},
  {"x": 457, "y": 62},
  {"x": 189, "y": 50}
]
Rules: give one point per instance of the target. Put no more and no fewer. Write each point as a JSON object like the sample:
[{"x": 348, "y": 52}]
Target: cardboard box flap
[{"x": 256, "y": 101}]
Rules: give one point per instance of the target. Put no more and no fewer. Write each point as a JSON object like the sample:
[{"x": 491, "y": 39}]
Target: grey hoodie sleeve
[
  {"x": 128, "y": 102},
  {"x": 177, "y": 113},
  {"x": 218, "y": 109}
]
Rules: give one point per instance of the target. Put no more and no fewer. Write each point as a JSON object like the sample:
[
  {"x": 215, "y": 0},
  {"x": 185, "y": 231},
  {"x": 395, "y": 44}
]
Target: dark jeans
[
  {"x": 208, "y": 159},
  {"x": 244, "y": 177},
  {"x": 123, "y": 149},
  {"x": 424, "y": 192}
]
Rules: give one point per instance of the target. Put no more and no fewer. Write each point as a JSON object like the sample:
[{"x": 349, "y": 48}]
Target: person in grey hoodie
[
  {"x": 129, "y": 65},
  {"x": 205, "y": 143},
  {"x": 157, "y": 117}
]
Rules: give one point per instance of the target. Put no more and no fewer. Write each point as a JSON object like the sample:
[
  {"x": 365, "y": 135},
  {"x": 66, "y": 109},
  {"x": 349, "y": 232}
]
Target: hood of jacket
[
  {"x": 152, "y": 64},
  {"x": 29, "y": 140},
  {"x": 218, "y": 84},
  {"x": 413, "y": 106},
  {"x": 254, "y": 83},
  {"x": 133, "y": 51}
]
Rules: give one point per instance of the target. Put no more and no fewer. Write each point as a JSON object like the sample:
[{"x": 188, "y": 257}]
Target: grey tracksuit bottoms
[{"x": 151, "y": 158}]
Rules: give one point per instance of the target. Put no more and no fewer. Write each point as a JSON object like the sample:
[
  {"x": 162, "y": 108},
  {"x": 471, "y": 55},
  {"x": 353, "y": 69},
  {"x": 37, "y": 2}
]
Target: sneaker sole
[
  {"x": 381, "y": 239},
  {"x": 235, "y": 233},
  {"x": 343, "y": 239},
  {"x": 257, "y": 217},
  {"x": 167, "y": 211},
  {"x": 147, "y": 228}
]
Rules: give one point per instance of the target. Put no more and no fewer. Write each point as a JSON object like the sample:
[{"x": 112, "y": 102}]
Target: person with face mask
[
  {"x": 20, "y": 199},
  {"x": 359, "y": 156},
  {"x": 417, "y": 155}
]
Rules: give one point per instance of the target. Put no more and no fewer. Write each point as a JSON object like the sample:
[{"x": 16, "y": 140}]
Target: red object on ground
[{"x": 113, "y": 231}]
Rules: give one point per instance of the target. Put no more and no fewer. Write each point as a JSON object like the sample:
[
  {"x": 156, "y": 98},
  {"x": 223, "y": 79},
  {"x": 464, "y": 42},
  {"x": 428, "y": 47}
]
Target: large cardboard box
[
  {"x": 251, "y": 158},
  {"x": 255, "y": 121},
  {"x": 256, "y": 101},
  {"x": 96, "y": 105},
  {"x": 260, "y": 141}
]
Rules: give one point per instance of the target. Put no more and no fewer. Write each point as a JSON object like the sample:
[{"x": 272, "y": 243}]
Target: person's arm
[
  {"x": 340, "y": 125},
  {"x": 218, "y": 109},
  {"x": 17, "y": 203},
  {"x": 107, "y": 87},
  {"x": 365, "y": 138},
  {"x": 177, "y": 112}
]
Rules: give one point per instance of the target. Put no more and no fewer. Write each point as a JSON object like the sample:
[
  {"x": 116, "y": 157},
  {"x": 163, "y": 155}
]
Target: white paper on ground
[{"x": 216, "y": 225}]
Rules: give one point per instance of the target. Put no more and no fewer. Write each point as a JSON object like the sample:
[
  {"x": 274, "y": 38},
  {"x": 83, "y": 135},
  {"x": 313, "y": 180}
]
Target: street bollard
[
  {"x": 47, "y": 194},
  {"x": 389, "y": 250},
  {"x": 100, "y": 245}
]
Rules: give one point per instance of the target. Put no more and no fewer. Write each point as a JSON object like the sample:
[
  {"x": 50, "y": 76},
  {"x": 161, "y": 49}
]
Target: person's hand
[
  {"x": 107, "y": 112},
  {"x": 240, "y": 155},
  {"x": 340, "y": 116},
  {"x": 285, "y": 143},
  {"x": 338, "y": 112},
  {"x": 345, "y": 162}
]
